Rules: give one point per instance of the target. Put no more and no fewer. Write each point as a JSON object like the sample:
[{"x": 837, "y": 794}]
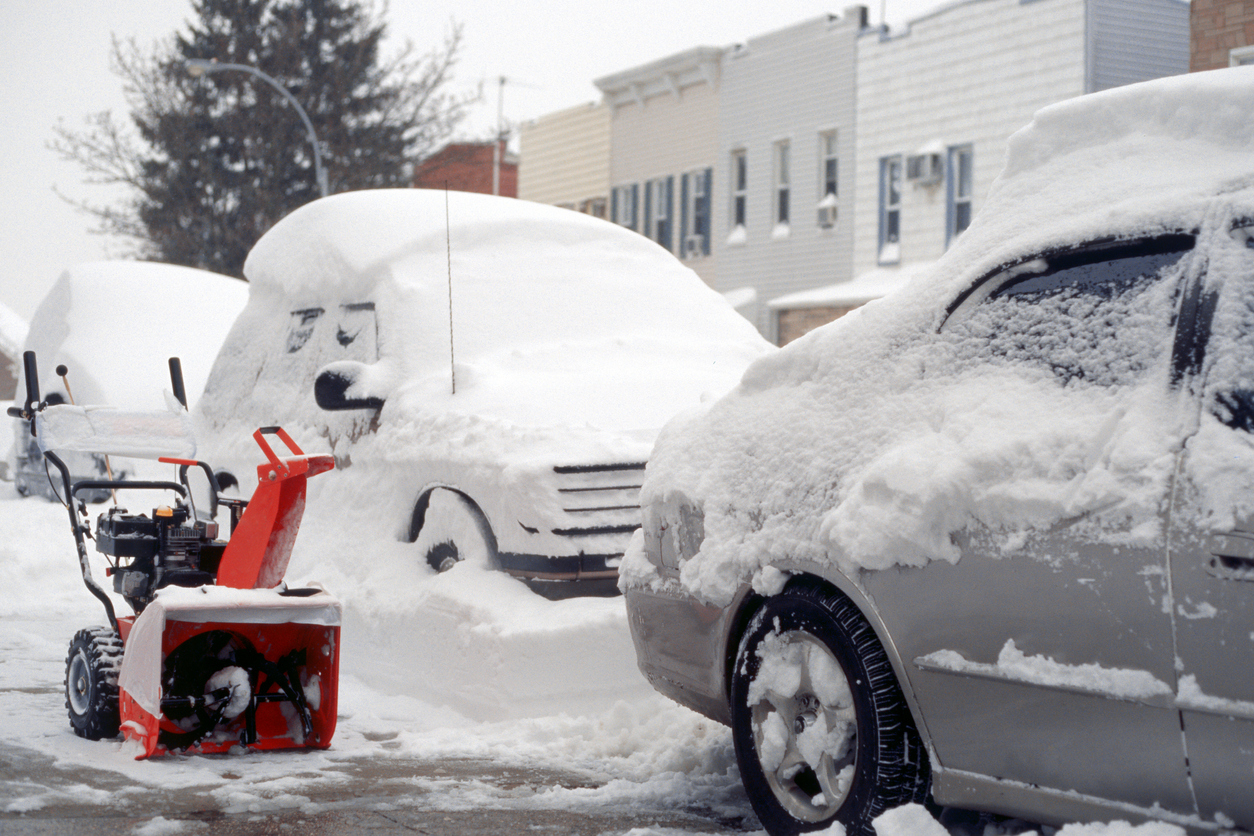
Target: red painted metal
[{"x": 261, "y": 545}]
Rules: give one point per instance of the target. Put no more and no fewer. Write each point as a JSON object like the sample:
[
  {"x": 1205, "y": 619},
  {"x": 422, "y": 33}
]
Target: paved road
[{"x": 375, "y": 797}]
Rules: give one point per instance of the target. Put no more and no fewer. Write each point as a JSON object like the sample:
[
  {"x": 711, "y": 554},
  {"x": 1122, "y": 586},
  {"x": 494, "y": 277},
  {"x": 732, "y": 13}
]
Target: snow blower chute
[{"x": 219, "y": 652}]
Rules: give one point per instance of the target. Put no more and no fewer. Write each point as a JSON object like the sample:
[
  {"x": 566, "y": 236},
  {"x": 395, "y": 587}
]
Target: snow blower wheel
[{"x": 91, "y": 683}]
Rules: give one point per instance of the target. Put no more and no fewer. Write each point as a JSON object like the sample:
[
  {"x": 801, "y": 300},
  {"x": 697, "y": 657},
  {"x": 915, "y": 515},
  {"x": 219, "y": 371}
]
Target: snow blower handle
[
  {"x": 27, "y": 411},
  {"x": 176, "y": 381}
]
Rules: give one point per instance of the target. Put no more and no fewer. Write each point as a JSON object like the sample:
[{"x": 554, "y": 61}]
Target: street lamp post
[{"x": 200, "y": 66}]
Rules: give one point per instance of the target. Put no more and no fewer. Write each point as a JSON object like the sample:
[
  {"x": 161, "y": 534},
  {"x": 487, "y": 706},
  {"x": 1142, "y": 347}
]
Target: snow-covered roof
[{"x": 115, "y": 324}]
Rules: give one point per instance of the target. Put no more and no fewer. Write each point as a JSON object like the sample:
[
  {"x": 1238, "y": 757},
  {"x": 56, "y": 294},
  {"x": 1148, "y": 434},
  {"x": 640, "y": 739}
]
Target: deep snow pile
[{"x": 867, "y": 442}]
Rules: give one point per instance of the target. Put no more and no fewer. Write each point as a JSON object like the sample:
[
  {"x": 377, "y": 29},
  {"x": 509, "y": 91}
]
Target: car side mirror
[{"x": 331, "y": 389}]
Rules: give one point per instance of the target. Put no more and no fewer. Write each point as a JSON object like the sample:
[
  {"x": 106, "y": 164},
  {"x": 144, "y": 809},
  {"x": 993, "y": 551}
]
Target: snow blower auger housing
[{"x": 219, "y": 652}]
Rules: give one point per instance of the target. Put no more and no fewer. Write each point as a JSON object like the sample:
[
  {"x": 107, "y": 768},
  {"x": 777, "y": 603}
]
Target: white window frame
[
  {"x": 781, "y": 191},
  {"x": 829, "y": 179},
  {"x": 959, "y": 190},
  {"x": 889, "y": 251},
  {"x": 1241, "y": 56},
  {"x": 626, "y": 211}
]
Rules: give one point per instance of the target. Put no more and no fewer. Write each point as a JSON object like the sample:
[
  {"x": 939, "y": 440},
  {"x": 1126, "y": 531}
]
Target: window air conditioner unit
[
  {"x": 693, "y": 246},
  {"x": 827, "y": 215},
  {"x": 923, "y": 169}
]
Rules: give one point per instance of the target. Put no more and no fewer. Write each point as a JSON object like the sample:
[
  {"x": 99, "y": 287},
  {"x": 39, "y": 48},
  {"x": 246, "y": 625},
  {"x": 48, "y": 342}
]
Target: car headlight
[{"x": 674, "y": 528}]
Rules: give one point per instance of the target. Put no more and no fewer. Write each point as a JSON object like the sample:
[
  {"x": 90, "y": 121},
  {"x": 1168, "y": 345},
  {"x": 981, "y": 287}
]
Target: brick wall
[
  {"x": 467, "y": 167},
  {"x": 1217, "y": 27},
  {"x": 795, "y": 322}
]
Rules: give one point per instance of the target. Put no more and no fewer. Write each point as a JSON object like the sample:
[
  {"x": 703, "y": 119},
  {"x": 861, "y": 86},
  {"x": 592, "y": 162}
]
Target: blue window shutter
[
  {"x": 669, "y": 232},
  {"x": 614, "y": 205},
  {"x": 709, "y": 203},
  {"x": 648, "y": 209},
  {"x": 683, "y": 213},
  {"x": 635, "y": 205}
]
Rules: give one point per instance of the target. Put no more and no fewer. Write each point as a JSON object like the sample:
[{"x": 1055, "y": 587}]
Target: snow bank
[
  {"x": 869, "y": 441},
  {"x": 92, "y": 318}
]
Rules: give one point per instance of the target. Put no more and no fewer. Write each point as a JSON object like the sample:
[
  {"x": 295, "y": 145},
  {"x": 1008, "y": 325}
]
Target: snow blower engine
[{"x": 219, "y": 653}]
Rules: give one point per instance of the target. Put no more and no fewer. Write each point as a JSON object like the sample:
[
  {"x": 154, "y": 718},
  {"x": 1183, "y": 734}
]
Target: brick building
[
  {"x": 1221, "y": 34},
  {"x": 470, "y": 167}
]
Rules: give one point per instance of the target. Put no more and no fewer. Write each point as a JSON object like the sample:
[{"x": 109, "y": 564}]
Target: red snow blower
[{"x": 219, "y": 653}]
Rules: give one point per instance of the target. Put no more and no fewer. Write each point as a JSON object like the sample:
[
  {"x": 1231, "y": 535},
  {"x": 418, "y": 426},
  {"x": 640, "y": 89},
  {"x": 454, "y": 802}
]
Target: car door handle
[{"x": 1232, "y": 556}]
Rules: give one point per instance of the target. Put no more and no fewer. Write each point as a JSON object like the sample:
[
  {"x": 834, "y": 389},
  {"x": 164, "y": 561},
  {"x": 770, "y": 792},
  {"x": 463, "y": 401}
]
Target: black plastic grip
[
  {"x": 32, "y": 381},
  {"x": 176, "y": 381}
]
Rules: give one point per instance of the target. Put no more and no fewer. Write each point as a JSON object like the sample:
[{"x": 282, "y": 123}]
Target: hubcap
[
  {"x": 804, "y": 725},
  {"x": 78, "y": 684}
]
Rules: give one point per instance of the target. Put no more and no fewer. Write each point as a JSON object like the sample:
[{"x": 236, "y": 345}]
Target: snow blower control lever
[{"x": 219, "y": 652}]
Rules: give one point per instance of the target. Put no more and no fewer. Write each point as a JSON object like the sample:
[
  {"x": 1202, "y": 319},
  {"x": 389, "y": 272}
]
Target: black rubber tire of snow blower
[
  {"x": 91, "y": 683},
  {"x": 890, "y": 766}
]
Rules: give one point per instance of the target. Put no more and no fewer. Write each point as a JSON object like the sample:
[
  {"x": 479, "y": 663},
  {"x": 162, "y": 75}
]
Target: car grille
[{"x": 600, "y": 500}]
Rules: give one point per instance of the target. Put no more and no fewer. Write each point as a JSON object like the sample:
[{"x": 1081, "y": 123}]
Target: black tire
[
  {"x": 814, "y": 642},
  {"x": 91, "y": 683},
  {"x": 451, "y": 529}
]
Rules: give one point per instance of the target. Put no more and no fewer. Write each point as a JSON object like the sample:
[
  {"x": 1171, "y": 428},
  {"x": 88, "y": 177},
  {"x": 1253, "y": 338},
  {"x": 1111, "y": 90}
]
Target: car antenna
[
  {"x": 448, "y": 248},
  {"x": 64, "y": 374}
]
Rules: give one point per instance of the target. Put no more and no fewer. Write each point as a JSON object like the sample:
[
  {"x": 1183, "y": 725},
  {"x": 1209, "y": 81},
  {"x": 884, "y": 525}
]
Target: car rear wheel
[
  {"x": 821, "y": 729},
  {"x": 453, "y": 530},
  {"x": 91, "y": 683}
]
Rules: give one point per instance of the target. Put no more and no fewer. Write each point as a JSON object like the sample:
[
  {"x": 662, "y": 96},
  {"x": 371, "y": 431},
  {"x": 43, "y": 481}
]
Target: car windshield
[{"x": 1101, "y": 314}]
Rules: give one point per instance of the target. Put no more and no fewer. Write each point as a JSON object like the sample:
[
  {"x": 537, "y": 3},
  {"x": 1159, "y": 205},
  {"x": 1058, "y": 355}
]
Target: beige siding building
[
  {"x": 663, "y": 147},
  {"x": 565, "y": 159}
]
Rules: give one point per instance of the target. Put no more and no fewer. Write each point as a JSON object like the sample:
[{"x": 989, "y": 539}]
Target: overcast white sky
[{"x": 54, "y": 59}]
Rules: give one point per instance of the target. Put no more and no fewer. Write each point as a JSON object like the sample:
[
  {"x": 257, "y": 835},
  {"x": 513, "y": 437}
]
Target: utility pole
[{"x": 500, "y": 133}]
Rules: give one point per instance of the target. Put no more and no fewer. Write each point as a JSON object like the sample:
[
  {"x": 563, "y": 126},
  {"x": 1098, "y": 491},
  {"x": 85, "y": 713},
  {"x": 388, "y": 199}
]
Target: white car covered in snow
[
  {"x": 114, "y": 325},
  {"x": 490, "y": 373},
  {"x": 991, "y": 538}
]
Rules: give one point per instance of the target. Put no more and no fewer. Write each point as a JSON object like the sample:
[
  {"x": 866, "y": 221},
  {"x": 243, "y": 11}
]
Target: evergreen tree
[{"x": 220, "y": 158}]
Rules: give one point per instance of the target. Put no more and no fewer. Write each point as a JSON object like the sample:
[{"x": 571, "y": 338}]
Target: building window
[
  {"x": 782, "y": 177},
  {"x": 1241, "y": 56},
  {"x": 739, "y": 190},
  {"x": 695, "y": 222},
  {"x": 623, "y": 205},
  {"x": 828, "y": 180},
  {"x": 594, "y": 206},
  {"x": 658, "y": 199},
  {"x": 958, "y": 213},
  {"x": 890, "y": 210}
]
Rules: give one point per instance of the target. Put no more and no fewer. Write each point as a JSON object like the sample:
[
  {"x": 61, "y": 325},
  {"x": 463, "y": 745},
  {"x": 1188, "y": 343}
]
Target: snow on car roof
[
  {"x": 115, "y": 324},
  {"x": 559, "y": 319},
  {"x": 849, "y": 446}
]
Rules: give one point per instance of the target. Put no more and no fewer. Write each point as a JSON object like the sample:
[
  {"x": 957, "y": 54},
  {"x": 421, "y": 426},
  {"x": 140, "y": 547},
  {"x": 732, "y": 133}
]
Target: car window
[
  {"x": 346, "y": 332},
  {"x": 1102, "y": 315}
]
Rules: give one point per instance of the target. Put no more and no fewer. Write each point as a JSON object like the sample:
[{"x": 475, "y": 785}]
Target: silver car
[{"x": 990, "y": 541}]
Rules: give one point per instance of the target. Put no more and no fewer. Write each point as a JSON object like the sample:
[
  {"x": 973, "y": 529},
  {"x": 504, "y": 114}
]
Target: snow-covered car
[
  {"x": 991, "y": 538},
  {"x": 114, "y": 325},
  {"x": 494, "y": 372}
]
